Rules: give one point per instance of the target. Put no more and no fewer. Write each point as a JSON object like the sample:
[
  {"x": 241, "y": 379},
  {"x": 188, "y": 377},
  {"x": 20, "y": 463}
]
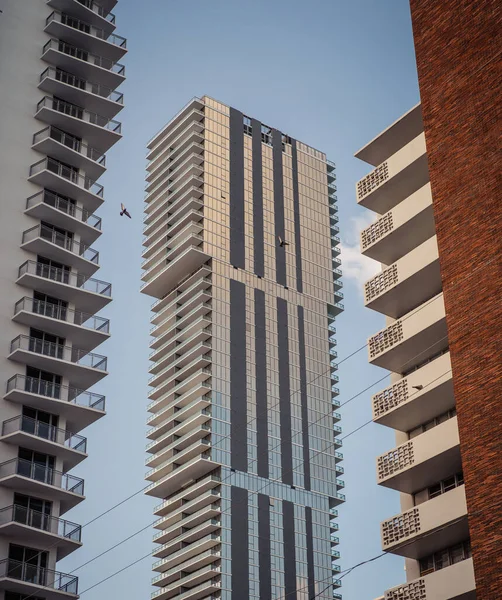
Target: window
[
  {"x": 248, "y": 128},
  {"x": 18, "y": 596},
  {"x": 445, "y": 558},
  {"x": 32, "y": 511},
  {"x": 432, "y": 423},
  {"x": 51, "y": 269},
  {"x": 46, "y": 343},
  {"x": 43, "y": 383},
  {"x": 266, "y": 135},
  {"x": 27, "y": 564}
]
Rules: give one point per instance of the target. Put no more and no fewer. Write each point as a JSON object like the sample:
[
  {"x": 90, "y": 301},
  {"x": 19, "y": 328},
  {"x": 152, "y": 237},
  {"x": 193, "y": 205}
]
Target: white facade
[
  {"x": 58, "y": 74},
  {"x": 432, "y": 531}
]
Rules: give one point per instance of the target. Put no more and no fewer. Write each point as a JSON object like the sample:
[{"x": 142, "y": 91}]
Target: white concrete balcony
[
  {"x": 85, "y": 330},
  {"x": 61, "y": 248},
  {"x": 99, "y": 131},
  {"x": 417, "y": 398},
  {"x": 411, "y": 340},
  {"x": 406, "y": 284},
  {"x": 191, "y": 115},
  {"x": 423, "y": 460},
  {"x": 54, "y": 209},
  {"x": 36, "y": 529},
  {"x": 398, "y": 177},
  {"x": 181, "y": 437},
  {"x": 187, "y": 537},
  {"x": 61, "y": 179},
  {"x": 194, "y": 492},
  {"x": 176, "y": 169},
  {"x": 175, "y": 222},
  {"x": 455, "y": 582},
  {"x": 29, "y": 580},
  {"x": 88, "y": 294},
  {"x": 194, "y": 469},
  {"x": 164, "y": 419},
  {"x": 184, "y": 379},
  {"x": 187, "y": 507},
  {"x": 182, "y": 295},
  {"x": 401, "y": 229},
  {"x": 188, "y": 521},
  {"x": 189, "y": 587},
  {"x": 92, "y": 96},
  {"x": 84, "y": 35},
  {"x": 78, "y": 407},
  {"x": 191, "y": 314},
  {"x": 438, "y": 523},
  {"x": 89, "y": 11},
  {"x": 162, "y": 279},
  {"x": 173, "y": 162},
  {"x": 196, "y": 356},
  {"x": 169, "y": 194},
  {"x": 83, "y": 64},
  {"x": 54, "y": 142},
  {"x": 81, "y": 367},
  {"x": 174, "y": 244},
  {"x": 29, "y": 433},
  {"x": 200, "y": 275},
  {"x": 172, "y": 458},
  {"x": 39, "y": 480},
  {"x": 193, "y": 551},
  {"x": 195, "y": 389}
]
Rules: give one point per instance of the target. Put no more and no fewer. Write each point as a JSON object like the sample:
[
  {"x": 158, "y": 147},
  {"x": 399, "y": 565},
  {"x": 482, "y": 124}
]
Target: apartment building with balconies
[
  {"x": 59, "y": 70},
  {"x": 425, "y": 466},
  {"x": 241, "y": 256}
]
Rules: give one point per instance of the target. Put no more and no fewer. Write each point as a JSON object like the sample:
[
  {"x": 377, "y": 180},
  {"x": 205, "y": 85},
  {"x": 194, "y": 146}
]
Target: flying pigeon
[
  {"x": 282, "y": 242},
  {"x": 124, "y": 211},
  {"x": 417, "y": 387}
]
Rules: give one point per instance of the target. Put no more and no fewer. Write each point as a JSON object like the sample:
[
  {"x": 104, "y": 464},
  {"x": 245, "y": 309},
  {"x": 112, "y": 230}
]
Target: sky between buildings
[{"x": 331, "y": 73}]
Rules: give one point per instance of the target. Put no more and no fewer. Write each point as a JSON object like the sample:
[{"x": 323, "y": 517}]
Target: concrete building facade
[
  {"x": 241, "y": 255},
  {"x": 425, "y": 466},
  {"x": 59, "y": 71}
]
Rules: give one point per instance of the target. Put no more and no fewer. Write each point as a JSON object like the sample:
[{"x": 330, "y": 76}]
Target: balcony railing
[
  {"x": 71, "y": 142},
  {"x": 60, "y": 352},
  {"x": 32, "y": 574},
  {"x": 82, "y": 84},
  {"x": 55, "y": 391},
  {"x": 45, "y": 431},
  {"x": 101, "y": 34},
  {"x": 65, "y": 206},
  {"x": 72, "y": 110},
  {"x": 99, "y": 61},
  {"x": 56, "y": 311},
  {"x": 68, "y": 173},
  {"x": 67, "y": 277},
  {"x": 98, "y": 9},
  {"x": 43, "y": 474},
  {"x": 62, "y": 240},
  {"x": 39, "y": 520}
]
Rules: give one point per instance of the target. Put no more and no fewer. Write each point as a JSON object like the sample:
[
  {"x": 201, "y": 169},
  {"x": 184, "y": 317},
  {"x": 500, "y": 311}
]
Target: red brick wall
[{"x": 458, "y": 45}]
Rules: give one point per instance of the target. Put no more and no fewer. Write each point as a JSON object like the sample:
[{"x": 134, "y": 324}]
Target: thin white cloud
[{"x": 356, "y": 267}]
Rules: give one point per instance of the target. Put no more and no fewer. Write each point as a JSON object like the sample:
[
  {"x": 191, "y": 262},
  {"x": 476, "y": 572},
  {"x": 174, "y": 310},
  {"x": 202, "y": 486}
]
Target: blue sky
[{"x": 331, "y": 73}]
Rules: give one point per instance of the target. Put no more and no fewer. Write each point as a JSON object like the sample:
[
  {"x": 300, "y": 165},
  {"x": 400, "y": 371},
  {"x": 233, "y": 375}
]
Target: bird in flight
[
  {"x": 417, "y": 387},
  {"x": 124, "y": 211},
  {"x": 282, "y": 242}
]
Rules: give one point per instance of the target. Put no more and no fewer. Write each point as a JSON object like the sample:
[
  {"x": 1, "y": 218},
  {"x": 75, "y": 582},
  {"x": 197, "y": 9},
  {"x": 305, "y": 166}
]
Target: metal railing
[
  {"x": 96, "y": 32},
  {"x": 56, "y": 391},
  {"x": 43, "y": 474},
  {"x": 65, "y": 206},
  {"x": 69, "y": 173},
  {"x": 67, "y": 277},
  {"x": 60, "y": 352},
  {"x": 45, "y": 431},
  {"x": 62, "y": 240},
  {"x": 75, "y": 111},
  {"x": 39, "y": 520},
  {"x": 98, "y": 9},
  {"x": 82, "y": 84},
  {"x": 95, "y": 59},
  {"x": 56, "y": 311},
  {"x": 23, "y": 571},
  {"x": 71, "y": 142}
]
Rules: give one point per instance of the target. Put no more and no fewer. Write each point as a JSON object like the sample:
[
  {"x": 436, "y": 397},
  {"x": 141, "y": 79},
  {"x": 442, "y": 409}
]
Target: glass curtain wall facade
[{"x": 241, "y": 254}]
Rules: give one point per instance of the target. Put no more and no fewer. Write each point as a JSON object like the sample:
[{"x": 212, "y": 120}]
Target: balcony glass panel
[
  {"x": 61, "y": 240},
  {"x": 33, "y": 574},
  {"x": 45, "y": 431},
  {"x": 99, "y": 61},
  {"x": 67, "y": 172},
  {"x": 72, "y": 110},
  {"x": 43, "y": 474}
]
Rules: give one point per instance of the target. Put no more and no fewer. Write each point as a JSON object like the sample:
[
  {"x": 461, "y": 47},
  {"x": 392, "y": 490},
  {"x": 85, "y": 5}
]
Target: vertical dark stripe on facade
[
  {"x": 265, "y": 573},
  {"x": 240, "y": 542},
  {"x": 258, "y": 244},
  {"x": 237, "y": 231},
  {"x": 304, "y": 397},
  {"x": 238, "y": 383},
  {"x": 309, "y": 533},
  {"x": 280, "y": 252},
  {"x": 284, "y": 391},
  {"x": 261, "y": 384},
  {"x": 288, "y": 524},
  {"x": 296, "y": 212}
]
